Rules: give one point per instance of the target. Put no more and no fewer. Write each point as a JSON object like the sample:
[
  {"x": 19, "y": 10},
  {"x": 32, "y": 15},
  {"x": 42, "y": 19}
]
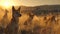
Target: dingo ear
[
  {"x": 13, "y": 8},
  {"x": 19, "y": 8}
]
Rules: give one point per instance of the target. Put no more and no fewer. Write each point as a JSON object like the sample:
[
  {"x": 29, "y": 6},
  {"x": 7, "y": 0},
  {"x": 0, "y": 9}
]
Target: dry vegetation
[
  {"x": 30, "y": 23},
  {"x": 48, "y": 24}
]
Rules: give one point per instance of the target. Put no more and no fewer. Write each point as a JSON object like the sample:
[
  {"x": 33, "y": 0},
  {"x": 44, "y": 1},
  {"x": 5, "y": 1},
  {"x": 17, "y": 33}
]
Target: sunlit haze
[
  {"x": 29, "y": 2},
  {"x": 7, "y": 3}
]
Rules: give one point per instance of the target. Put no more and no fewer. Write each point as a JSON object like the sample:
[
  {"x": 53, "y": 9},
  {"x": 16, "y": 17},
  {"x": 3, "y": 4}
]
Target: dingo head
[{"x": 16, "y": 13}]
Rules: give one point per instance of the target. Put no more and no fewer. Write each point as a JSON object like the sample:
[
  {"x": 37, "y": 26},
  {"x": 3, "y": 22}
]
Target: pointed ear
[
  {"x": 13, "y": 8},
  {"x": 19, "y": 8}
]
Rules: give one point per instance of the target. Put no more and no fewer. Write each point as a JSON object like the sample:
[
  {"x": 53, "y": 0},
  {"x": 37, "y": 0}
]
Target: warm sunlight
[{"x": 6, "y": 3}]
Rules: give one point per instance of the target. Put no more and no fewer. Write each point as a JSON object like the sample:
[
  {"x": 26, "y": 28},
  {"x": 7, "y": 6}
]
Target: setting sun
[{"x": 7, "y": 4}]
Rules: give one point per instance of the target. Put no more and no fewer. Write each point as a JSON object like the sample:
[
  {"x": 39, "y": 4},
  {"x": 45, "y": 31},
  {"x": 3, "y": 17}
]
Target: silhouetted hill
[{"x": 41, "y": 9}]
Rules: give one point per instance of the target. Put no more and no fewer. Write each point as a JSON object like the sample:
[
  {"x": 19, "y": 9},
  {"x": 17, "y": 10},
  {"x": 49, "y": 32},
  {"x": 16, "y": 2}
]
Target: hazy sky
[
  {"x": 32, "y": 2},
  {"x": 39, "y": 2}
]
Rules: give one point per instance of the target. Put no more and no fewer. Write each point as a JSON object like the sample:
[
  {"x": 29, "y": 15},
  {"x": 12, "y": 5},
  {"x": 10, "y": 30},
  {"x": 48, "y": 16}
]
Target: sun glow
[{"x": 6, "y": 3}]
